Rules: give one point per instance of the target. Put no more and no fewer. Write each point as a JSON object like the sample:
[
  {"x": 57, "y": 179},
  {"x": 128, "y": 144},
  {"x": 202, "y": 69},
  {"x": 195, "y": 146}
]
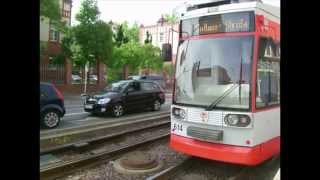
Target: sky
[{"x": 145, "y": 12}]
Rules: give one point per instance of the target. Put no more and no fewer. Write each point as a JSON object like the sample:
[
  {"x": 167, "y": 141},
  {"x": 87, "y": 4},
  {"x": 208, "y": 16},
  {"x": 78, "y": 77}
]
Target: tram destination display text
[{"x": 221, "y": 23}]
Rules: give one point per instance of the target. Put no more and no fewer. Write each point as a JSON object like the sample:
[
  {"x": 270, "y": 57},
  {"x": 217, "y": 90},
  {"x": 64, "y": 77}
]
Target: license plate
[
  {"x": 88, "y": 106},
  {"x": 177, "y": 127}
]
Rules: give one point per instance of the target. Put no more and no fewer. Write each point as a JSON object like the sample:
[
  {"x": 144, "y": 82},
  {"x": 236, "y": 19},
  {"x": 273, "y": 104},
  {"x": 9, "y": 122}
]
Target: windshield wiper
[
  {"x": 240, "y": 80},
  {"x": 219, "y": 99}
]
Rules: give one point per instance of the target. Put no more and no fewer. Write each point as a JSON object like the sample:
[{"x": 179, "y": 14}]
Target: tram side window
[{"x": 268, "y": 74}]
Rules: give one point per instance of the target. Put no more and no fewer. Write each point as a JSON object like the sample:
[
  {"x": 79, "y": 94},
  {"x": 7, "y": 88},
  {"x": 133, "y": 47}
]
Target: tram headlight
[
  {"x": 179, "y": 113},
  {"x": 238, "y": 120},
  {"x": 182, "y": 113}
]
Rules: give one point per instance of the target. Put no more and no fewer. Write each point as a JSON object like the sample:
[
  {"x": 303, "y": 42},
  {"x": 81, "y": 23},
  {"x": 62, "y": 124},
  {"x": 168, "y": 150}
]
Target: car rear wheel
[
  {"x": 156, "y": 105},
  {"x": 117, "y": 110},
  {"x": 50, "y": 119}
]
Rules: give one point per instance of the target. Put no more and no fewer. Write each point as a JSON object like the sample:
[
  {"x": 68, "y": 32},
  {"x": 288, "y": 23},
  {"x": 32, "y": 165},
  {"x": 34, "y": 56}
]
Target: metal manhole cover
[{"x": 137, "y": 162}]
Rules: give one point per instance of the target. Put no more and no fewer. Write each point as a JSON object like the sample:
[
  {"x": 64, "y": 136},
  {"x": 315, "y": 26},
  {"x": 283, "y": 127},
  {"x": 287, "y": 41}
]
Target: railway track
[
  {"x": 196, "y": 168},
  {"x": 95, "y": 133},
  {"x": 93, "y": 152}
]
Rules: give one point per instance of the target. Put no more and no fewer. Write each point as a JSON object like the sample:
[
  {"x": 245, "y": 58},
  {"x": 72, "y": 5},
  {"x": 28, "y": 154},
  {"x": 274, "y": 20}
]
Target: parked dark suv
[
  {"x": 51, "y": 105},
  {"x": 126, "y": 95}
]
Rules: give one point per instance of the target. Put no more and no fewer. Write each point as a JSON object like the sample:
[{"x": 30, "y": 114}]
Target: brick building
[{"x": 62, "y": 74}]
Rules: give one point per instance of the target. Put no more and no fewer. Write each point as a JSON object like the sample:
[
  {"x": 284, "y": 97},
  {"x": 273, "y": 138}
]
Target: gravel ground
[
  {"x": 199, "y": 169},
  {"x": 159, "y": 149},
  {"x": 208, "y": 170},
  {"x": 202, "y": 169},
  {"x": 265, "y": 171},
  {"x": 115, "y": 143}
]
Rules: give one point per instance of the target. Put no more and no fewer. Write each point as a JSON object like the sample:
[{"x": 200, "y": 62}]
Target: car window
[
  {"x": 42, "y": 91},
  {"x": 118, "y": 86},
  {"x": 146, "y": 86},
  {"x": 45, "y": 91},
  {"x": 134, "y": 86}
]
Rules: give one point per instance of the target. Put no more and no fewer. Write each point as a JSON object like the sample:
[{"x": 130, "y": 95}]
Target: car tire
[
  {"x": 50, "y": 118},
  {"x": 117, "y": 110},
  {"x": 156, "y": 105}
]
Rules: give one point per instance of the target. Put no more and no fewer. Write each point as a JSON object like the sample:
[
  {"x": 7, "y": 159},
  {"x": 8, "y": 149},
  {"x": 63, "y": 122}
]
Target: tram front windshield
[{"x": 207, "y": 68}]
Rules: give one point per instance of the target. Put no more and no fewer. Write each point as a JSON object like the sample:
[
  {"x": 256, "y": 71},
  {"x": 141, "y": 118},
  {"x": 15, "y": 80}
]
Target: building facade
[{"x": 66, "y": 77}]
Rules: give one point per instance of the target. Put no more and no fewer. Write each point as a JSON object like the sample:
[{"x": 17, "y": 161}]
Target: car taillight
[{"x": 60, "y": 96}]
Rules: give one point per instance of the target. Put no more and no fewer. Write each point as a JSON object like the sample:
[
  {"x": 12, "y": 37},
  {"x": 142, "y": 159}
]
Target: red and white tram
[{"x": 226, "y": 99}]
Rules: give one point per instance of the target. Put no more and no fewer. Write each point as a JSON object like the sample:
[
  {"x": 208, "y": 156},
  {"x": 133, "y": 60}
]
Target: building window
[
  {"x": 66, "y": 10},
  {"x": 54, "y": 35},
  {"x": 161, "y": 37},
  {"x": 66, "y": 13}
]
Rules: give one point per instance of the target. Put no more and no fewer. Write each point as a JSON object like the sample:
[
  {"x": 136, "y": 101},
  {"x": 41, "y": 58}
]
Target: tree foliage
[
  {"x": 91, "y": 39},
  {"x": 50, "y": 9},
  {"x": 151, "y": 57},
  {"x": 124, "y": 33},
  {"x": 89, "y": 12},
  {"x": 132, "y": 33},
  {"x": 119, "y": 36},
  {"x": 171, "y": 18},
  {"x": 137, "y": 56}
]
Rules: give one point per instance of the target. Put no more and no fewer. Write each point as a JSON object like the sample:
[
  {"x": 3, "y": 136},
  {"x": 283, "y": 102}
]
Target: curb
[{"x": 74, "y": 116}]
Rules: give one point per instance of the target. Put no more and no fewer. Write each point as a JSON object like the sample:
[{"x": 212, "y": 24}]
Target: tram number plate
[{"x": 177, "y": 127}]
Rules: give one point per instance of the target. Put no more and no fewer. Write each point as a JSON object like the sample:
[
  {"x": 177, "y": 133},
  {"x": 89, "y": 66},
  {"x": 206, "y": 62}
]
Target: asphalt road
[{"x": 84, "y": 119}]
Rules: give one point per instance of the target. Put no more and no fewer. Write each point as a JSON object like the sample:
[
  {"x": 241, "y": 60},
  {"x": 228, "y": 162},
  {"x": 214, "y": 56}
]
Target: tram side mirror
[{"x": 166, "y": 52}]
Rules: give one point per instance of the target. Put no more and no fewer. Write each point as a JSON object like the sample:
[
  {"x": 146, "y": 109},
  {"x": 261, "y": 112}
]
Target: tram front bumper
[{"x": 220, "y": 152}]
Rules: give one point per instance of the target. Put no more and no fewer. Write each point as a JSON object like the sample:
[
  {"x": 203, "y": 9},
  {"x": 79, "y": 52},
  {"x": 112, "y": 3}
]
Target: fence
[{"x": 52, "y": 73}]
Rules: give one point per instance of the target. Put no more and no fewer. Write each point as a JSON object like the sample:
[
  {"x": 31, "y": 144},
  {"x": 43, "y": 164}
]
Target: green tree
[
  {"x": 137, "y": 56},
  {"x": 90, "y": 40},
  {"x": 50, "y": 9},
  {"x": 150, "y": 57},
  {"x": 126, "y": 35},
  {"x": 132, "y": 33},
  {"x": 92, "y": 36},
  {"x": 119, "y": 36},
  {"x": 171, "y": 18},
  {"x": 89, "y": 12}
]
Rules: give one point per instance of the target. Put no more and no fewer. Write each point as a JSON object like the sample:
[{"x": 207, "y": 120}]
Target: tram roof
[{"x": 234, "y": 7}]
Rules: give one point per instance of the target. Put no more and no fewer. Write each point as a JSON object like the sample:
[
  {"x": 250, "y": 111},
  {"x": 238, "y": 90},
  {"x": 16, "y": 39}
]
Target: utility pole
[{"x": 86, "y": 67}]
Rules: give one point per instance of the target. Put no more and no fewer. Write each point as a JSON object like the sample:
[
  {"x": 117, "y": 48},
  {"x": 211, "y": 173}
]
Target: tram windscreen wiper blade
[{"x": 219, "y": 99}]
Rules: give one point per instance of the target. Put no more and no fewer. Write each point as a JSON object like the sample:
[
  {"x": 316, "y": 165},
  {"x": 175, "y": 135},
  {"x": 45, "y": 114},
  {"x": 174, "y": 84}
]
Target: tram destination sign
[{"x": 230, "y": 22}]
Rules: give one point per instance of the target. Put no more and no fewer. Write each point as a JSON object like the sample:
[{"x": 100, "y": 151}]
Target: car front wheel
[
  {"x": 117, "y": 110},
  {"x": 50, "y": 119}
]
